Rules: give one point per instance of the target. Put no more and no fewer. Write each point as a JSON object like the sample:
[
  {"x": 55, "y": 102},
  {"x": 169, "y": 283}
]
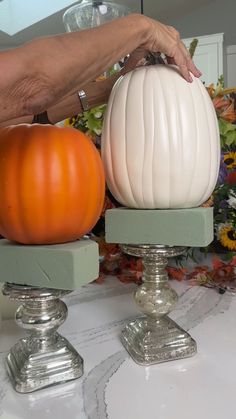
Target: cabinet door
[{"x": 208, "y": 56}]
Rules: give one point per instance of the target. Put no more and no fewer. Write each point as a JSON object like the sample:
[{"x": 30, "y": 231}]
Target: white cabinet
[{"x": 208, "y": 56}]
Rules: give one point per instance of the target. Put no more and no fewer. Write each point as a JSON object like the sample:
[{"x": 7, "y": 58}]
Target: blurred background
[{"x": 22, "y": 20}]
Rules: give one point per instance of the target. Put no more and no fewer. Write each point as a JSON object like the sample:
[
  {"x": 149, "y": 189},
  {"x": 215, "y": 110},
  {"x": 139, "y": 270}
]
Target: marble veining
[
  {"x": 95, "y": 383},
  {"x": 113, "y": 386}
]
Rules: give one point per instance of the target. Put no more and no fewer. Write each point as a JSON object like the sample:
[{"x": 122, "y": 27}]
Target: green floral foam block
[
  {"x": 62, "y": 266},
  {"x": 174, "y": 227}
]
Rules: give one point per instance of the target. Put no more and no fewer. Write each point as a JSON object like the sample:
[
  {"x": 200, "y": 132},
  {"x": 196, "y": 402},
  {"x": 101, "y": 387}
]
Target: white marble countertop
[{"x": 113, "y": 386}]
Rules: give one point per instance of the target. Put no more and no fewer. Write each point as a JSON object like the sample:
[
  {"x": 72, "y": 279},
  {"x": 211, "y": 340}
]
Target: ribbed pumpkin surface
[
  {"x": 51, "y": 184},
  {"x": 160, "y": 140}
]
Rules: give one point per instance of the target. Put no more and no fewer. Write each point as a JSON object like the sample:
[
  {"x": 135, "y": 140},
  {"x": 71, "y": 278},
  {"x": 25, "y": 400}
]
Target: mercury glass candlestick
[
  {"x": 44, "y": 357},
  {"x": 38, "y": 277},
  {"x": 155, "y": 338}
]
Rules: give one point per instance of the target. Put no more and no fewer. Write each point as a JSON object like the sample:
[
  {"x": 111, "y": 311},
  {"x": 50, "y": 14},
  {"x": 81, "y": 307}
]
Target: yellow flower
[
  {"x": 67, "y": 122},
  {"x": 227, "y": 236},
  {"x": 230, "y": 159},
  {"x": 70, "y": 122}
]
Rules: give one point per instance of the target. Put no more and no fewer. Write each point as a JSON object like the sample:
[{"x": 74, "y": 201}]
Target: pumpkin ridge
[
  {"x": 153, "y": 146},
  {"x": 195, "y": 130},
  {"x": 22, "y": 221},
  {"x": 145, "y": 140},
  {"x": 126, "y": 142},
  {"x": 88, "y": 218},
  {"x": 179, "y": 133},
  {"x": 212, "y": 180},
  {"x": 66, "y": 159},
  {"x": 167, "y": 202},
  {"x": 108, "y": 144},
  {"x": 149, "y": 119},
  {"x": 17, "y": 220},
  {"x": 86, "y": 169},
  {"x": 206, "y": 194}
]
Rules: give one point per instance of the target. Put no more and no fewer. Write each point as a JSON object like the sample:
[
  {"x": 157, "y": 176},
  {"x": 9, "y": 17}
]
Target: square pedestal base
[
  {"x": 32, "y": 368},
  {"x": 151, "y": 342}
]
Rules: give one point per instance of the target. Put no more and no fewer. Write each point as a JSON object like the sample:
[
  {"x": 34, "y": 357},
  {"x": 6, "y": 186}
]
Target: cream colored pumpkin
[{"x": 160, "y": 140}]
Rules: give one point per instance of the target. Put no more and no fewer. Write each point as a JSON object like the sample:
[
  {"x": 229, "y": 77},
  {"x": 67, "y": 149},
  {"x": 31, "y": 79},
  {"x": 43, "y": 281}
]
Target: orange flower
[
  {"x": 220, "y": 102},
  {"x": 208, "y": 203},
  {"x": 223, "y": 271},
  {"x": 229, "y": 114},
  {"x": 217, "y": 263},
  {"x": 176, "y": 273}
]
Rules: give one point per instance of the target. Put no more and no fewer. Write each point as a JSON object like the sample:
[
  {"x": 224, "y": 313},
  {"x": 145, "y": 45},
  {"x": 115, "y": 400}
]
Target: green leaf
[
  {"x": 225, "y": 126},
  {"x": 231, "y": 137},
  {"x": 221, "y": 81},
  {"x": 193, "y": 47},
  {"x": 92, "y": 120}
]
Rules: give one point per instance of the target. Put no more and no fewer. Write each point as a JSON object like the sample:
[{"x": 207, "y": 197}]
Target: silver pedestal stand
[
  {"x": 44, "y": 358},
  {"x": 155, "y": 338}
]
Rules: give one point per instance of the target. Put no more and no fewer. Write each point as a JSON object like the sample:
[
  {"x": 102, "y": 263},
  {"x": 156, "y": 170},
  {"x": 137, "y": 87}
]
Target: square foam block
[
  {"x": 62, "y": 266},
  {"x": 191, "y": 227}
]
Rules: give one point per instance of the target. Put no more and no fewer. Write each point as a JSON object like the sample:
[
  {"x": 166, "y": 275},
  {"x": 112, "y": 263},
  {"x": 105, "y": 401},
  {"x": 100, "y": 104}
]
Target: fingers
[
  {"x": 186, "y": 66},
  {"x": 192, "y": 67},
  {"x": 181, "y": 57},
  {"x": 189, "y": 62},
  {"x": 166, "y": 39}
]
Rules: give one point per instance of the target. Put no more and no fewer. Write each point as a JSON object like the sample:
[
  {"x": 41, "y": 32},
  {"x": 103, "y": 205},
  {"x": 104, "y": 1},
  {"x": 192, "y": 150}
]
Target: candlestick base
[
  {"x": 31, "y": 369},
  {"x": 161, "y": 341},
  {"x": 43, "y": 358}
]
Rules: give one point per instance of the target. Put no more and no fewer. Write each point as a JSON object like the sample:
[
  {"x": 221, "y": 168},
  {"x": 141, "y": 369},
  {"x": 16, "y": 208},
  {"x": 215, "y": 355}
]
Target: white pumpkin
[{"x": 160, "y": 140}]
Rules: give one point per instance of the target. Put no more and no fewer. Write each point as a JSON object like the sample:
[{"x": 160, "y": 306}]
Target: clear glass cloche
[{"x": 89, "y": 14}]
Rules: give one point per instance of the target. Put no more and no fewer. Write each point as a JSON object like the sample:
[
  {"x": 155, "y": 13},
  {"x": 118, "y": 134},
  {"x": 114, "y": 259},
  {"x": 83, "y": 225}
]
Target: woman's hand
[
  {"x": 166, "y": 39},
  {"x": 38, "y": 75}
]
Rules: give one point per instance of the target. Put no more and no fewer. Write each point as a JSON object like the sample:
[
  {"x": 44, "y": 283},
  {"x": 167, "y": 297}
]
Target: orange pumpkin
[{"x": 52, "y": 184}]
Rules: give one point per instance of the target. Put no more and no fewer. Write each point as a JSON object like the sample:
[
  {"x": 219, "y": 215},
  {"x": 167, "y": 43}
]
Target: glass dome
[{"x": 92, "y": 13}]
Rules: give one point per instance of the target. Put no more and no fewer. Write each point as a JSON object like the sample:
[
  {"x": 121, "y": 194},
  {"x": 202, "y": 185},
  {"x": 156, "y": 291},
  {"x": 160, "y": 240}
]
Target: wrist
[
  {"x": 148, "y": 29},
  {"x": 144, "y": 25}
]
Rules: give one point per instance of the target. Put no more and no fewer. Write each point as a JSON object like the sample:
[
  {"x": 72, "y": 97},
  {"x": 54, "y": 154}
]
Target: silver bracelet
[{"x": 83, "y": 100}]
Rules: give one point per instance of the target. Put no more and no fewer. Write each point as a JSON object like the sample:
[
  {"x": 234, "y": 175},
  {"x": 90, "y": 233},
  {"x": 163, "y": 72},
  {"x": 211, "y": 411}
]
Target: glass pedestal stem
[{"x": 155, "y": 338}]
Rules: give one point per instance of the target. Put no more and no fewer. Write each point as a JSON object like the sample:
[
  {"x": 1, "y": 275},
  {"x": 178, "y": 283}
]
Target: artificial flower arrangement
[
  {"x": 215, "y": 265},
  {"x": 225, "y": 192},
  {"x": 220, "y": 267}
]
